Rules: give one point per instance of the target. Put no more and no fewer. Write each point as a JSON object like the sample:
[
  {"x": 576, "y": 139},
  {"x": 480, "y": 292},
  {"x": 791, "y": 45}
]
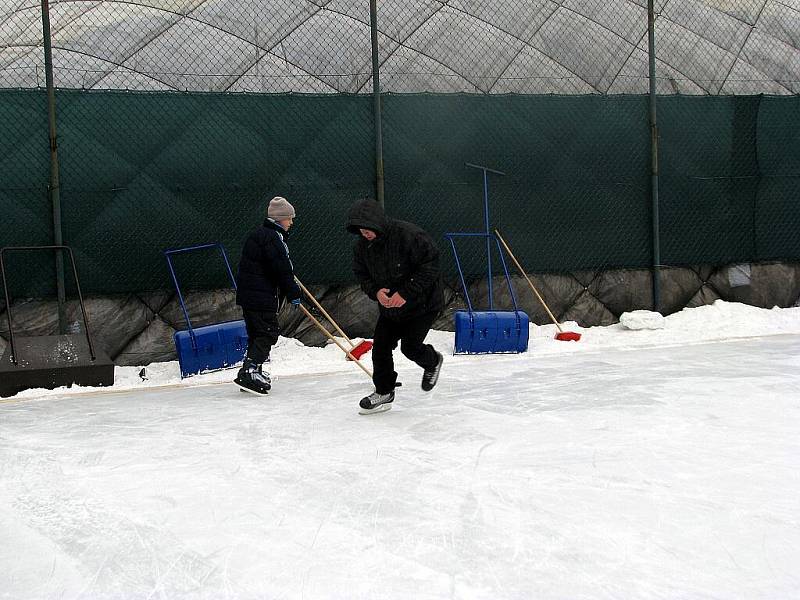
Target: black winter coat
[
  {"x": 265, "y": 271},
  {"x": 402, "y": 258}
]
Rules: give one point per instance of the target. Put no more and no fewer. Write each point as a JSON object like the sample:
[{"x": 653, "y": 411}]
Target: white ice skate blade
[
  {"x": 244, "y": 389},
  {"x": 378, "y": 409}
]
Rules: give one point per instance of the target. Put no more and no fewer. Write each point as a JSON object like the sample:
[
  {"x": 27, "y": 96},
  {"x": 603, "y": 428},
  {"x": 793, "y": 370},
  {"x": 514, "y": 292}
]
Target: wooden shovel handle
[
  {"x": 324, "y": 312},
  {"x": 334, "y": 340},
  {"x": 525, "y": 275}
]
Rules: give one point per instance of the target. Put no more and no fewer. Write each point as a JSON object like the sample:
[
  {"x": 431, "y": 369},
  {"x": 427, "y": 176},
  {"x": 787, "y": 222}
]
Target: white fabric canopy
[{"x": 474, "y": 46}]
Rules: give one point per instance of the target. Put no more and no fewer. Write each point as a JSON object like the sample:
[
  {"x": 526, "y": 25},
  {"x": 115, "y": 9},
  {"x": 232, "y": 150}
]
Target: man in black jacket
[
  {"x": 397, "y": 264},
  {"x": 265, "y": 276}
]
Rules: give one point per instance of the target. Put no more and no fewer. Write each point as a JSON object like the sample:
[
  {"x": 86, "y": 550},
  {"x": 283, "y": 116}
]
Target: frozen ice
[{"x": 631, "y": 464}]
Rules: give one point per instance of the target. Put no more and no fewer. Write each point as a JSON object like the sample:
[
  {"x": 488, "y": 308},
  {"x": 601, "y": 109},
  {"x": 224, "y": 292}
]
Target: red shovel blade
[
  {"x": 361, "y": 349},
  {"x": 568, "y": 336}
]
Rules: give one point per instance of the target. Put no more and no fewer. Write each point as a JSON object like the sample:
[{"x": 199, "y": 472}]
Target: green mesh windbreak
[
  {"x": 709, "y": 178},
  {"x": 576, "y": 185},
  {"x": 143, "y": 172},
  {"x": 776, "y": 228},
  {"x": 730, "y": 179},
  {"x": 26, "y": 216}
]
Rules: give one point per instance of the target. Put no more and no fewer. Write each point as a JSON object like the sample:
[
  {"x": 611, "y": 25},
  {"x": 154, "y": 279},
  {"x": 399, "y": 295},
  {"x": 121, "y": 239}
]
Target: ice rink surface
[{"x": 666, "y": 471}]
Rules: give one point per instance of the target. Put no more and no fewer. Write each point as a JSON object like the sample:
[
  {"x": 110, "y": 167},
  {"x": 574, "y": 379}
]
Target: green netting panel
[
  {"x": 777, "y": 222},
  {"x": 24, "y": 169},
  {"x": 146, "y": 172},
  {"x": 709, "y": 176},
  {"x": 142, "y": 172},
  {"x": 576, "y": 190}
]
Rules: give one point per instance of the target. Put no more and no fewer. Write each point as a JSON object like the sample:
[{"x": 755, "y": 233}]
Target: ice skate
[
  {"x": 252, "y": 379},
  {"x": 431, "y": 376},
  {"x": 375, "y": 403}
]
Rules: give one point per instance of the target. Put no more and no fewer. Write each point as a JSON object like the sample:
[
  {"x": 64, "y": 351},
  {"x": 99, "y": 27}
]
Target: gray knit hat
[{"x": 280, "y": 209}]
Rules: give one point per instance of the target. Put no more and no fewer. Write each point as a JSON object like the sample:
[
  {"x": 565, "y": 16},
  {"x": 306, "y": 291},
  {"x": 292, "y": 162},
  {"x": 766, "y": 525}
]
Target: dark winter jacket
[
  {"x": 265, "y": 271},
  {"x": 402, "y": 258}
]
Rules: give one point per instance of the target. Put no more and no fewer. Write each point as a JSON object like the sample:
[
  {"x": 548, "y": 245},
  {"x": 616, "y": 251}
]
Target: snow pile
[
  {"x": 642, "y": 319},
  {"x": 720, "y": 321}
]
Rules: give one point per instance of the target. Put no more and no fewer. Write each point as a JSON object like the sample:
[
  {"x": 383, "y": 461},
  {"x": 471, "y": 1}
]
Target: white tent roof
[{"x": 474, "y": 46}]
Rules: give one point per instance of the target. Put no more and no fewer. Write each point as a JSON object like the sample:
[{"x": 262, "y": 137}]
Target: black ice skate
[
  {"x": 431, "y": 376},
  {"x": 252, "y": 379},
  {"x": 375, "y": 403}
]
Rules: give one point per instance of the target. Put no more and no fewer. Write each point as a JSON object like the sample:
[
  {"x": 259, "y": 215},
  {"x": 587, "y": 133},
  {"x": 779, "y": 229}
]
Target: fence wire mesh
[{"x": 178, "y": 120}]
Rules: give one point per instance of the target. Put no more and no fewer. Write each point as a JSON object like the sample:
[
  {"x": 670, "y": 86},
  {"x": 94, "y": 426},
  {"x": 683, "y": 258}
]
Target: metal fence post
[
  {"x": 54, "y": 185},
  {"x": 654, "y": 158},
  {"x": 376, "y": 93}
]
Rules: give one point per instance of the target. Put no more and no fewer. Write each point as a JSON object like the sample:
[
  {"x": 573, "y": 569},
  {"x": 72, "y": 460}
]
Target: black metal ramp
[{"x": 52, "y": 361}]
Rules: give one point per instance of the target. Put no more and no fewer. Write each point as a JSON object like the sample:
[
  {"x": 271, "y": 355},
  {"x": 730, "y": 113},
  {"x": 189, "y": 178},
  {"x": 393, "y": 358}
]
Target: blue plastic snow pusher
[
  {"x": 210, "y": 347},
  {"x": 488, "y": 331},
  {"x": 492, "y": 331}
]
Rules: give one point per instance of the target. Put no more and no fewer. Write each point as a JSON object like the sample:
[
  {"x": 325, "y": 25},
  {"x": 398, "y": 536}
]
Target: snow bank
[{"x": 720, "y": 321}]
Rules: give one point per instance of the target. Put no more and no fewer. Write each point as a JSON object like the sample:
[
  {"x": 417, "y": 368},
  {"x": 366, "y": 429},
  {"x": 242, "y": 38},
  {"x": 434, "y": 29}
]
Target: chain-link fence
[{"x": 177, "y": 120}]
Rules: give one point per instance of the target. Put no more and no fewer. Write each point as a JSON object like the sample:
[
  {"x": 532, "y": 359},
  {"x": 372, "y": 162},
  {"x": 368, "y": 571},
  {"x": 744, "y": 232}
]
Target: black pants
[
  {"x": 262, "y": 333},
  {"x": 411, "y": 335}
]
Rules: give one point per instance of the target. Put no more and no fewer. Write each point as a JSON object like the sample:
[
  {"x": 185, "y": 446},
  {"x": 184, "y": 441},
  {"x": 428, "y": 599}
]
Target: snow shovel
[
  {"x": 356, "y": 350},
  {"x": 334, "y": 340},
  {"x": 210, "y": 347},
  {"x": 492, "y": 331},
  {"x": 564, "y": 336}
]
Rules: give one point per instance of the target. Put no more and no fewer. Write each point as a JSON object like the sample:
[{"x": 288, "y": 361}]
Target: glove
[{"x": 297, "y": 303}]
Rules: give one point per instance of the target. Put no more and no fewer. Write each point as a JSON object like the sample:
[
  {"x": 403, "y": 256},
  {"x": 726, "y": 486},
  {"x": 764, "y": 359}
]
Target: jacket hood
[{"x": 366, "y": 214}]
